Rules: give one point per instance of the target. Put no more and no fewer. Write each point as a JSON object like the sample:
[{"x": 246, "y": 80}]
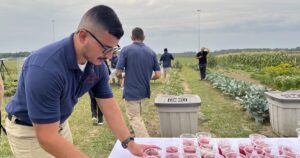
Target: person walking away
[
  {"x": 166, "y": 59},
  {"x": 202, "y": 57},
  {"x": 113, "y": 64},
  {"x": 97, "y": 115},
  {"x": 139, "y": 61},
  {"x": 51, "y": 81}
]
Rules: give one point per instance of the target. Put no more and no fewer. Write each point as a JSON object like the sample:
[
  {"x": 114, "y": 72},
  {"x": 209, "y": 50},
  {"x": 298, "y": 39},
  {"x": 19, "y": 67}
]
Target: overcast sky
[{"x": 27, "y": 25}]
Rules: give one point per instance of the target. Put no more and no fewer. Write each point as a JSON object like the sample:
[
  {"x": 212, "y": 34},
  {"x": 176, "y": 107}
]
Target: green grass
[
  {"x": 222, "y": 116},
  {"x": 93, "y": 140}
]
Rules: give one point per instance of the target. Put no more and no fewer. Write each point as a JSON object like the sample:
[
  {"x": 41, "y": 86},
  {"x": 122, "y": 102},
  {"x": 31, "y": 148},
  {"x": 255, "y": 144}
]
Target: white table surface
[{"x": 119, "y": 152}]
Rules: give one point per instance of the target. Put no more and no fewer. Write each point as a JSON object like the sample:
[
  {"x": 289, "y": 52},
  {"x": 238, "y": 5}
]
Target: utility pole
[
  {"x": 198, "y": 12},
  {"x": 53, "y": 29}
]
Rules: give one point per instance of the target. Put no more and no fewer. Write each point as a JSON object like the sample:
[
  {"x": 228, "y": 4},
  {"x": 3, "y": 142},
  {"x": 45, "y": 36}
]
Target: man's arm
[
  {"x": 114, "y": 118},
  {"x": 172, "y": 58},
  {"x": 53, "y": 143},
  {"x": 156, "y": 75},
  {"x": 199, "y": 55}
]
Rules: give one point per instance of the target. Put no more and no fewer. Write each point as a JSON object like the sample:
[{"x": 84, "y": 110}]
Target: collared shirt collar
[{"x": 70, "y": 53}]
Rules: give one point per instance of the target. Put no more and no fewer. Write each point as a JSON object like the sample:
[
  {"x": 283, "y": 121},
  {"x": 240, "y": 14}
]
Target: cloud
[{"x": 27, "y": 25}]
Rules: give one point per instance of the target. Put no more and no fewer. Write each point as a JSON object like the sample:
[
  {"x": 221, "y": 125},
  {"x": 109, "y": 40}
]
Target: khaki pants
[
  {"x": 23, "y": 141},
  {"x": 166, "y": 72},
  {"x": 134, "y": 111}
]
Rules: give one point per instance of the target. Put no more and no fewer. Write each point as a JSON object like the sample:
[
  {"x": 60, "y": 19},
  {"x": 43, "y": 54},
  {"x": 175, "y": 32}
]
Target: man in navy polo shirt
[
  {"x": 139, "y": 61},
  {"x": 52, "y": 80},
  {"x": 166, "y": 60}
]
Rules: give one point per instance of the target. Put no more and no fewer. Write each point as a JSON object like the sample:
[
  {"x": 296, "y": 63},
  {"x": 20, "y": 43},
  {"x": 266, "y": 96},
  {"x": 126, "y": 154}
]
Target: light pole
[
  {"x": 198, "y": 12},
  {"x": 53, "y": 30}
]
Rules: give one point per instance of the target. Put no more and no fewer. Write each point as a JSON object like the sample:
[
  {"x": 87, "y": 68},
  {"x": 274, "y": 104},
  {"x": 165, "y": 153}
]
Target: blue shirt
[
  {"x": 51, "y": 83},
  {"x": 114, "y": 61},
  {"x": 166, "y": 59},
  {"x": 139, "y": 61}
]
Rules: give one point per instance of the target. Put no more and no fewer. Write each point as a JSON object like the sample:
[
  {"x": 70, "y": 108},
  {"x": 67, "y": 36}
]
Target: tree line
[{"x": 14, "y": 55}]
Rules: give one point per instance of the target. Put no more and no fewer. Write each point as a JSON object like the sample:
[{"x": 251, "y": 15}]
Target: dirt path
[
  {"x": 237, "y": 74},
  {"x": 186, "y": 87}
]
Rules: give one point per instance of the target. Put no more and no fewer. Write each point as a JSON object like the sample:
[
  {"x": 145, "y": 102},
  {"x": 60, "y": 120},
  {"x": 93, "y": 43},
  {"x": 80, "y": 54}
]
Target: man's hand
[{"x": 138, "y": 149}]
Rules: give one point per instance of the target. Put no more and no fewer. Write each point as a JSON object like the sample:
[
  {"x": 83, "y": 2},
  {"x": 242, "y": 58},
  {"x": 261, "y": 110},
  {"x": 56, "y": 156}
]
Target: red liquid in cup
[
  {"x": 189, "y": 149},
  {"x": 172, "y": 156},
  {"x": 190, "y": 156},
  {"x": 203, "y": 140},
  {"x": 188, "y": 142},
  {"x": 241, "y": 149},
  {"x": 171, "y": 149}
]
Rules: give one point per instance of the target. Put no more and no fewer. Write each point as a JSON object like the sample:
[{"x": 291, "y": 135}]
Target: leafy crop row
[{"x": 251, "y": 96}]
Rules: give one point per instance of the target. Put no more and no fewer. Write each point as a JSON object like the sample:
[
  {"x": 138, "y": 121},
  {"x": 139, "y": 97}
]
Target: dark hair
[
  {"x": 166, "y": 49},
  {"x": 138, "y": 33},
  {"x": 106, "y": 17}
]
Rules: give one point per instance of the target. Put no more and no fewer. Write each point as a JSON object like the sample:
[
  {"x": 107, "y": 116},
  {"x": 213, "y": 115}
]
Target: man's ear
[{"x": 82, "y": 35}]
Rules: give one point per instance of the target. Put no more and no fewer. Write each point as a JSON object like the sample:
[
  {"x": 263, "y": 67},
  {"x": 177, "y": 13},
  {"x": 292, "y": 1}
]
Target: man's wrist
[
  {"x": 126, "y": 142},
  {"x": 130, "y": 144}
]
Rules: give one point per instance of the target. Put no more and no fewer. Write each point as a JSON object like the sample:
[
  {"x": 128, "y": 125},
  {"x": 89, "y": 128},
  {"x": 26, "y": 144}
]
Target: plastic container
[
  {"x": 178, "y": 114},
  {"x": 284, "y": 108}
]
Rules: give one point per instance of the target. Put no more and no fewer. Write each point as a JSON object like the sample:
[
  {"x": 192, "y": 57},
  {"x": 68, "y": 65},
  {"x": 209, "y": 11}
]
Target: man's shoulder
[{"x": 48, "y": 57}]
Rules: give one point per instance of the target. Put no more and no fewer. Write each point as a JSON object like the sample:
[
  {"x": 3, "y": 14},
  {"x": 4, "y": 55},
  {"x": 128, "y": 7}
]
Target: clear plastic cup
[
  {"x": 234, "y": 155},
  {"x": 284, "y": 145},
  {"x": 224, "y": 146},
  {"x": 206, "y": 151},
  {"x": 257, "y": 156},
  {"x": 242, "y": 144},
  {"x": 291, "y": 153},
  {"x": 172, "y": 155},
  {"x": 189, "y": 149},
  {"x": 269, "y": 155},
  {"x": 261, "y": 144},
  {"x": 282, "y": 156},
  {"x": 286, "y": 150},
  {"x": 171, "y": 145},
  {"x": 275, "y": 156},
  {"x": 152, "y": 153},
  {"x": 267, "y": 150},
  {"x": 203, "y": 138},
  {"x": 186, "y": 155},
  {"x": 250, "y": 151},
  {"x": 256, "y": 137},
  {"x": 188, "y": 139},
  {"x": 213, "y": 155}
]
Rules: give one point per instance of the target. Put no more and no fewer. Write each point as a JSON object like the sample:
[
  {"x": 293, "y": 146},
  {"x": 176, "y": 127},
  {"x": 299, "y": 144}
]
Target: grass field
[{"x": 221, "y": 116}]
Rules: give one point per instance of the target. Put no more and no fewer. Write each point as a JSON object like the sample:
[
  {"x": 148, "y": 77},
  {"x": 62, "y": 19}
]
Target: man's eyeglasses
[{"x": 106, "y": 49}]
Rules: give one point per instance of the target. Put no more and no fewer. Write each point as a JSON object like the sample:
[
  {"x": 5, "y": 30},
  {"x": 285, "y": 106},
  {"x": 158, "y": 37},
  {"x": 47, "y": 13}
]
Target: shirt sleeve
[
  {"x": 43, "y": 91},
  {"x": 121, "y": 60},
  {"x": 161, "y": 58}
]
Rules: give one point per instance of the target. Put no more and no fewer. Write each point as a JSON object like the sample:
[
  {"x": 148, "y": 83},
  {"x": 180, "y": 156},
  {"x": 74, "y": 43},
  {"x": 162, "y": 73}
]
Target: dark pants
[
  {"x": 202, "y": 68},
  {"x": 95, "y": 109}
]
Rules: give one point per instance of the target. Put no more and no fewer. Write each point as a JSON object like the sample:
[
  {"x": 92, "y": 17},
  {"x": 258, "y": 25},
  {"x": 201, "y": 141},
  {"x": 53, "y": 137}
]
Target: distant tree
[{"x": 14, "y": 55}]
